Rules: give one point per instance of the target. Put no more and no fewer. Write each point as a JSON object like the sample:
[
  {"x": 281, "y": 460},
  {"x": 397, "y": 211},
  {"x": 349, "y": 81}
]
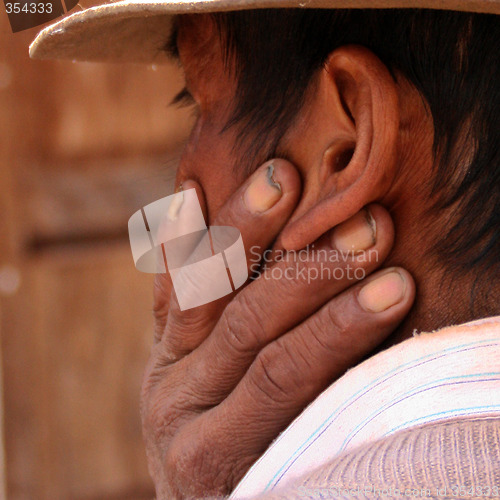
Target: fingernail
[
  {"x": 263, "y": 192},
  {"x": 383, "y": 292},
  {"x": 355, "y": 234}
]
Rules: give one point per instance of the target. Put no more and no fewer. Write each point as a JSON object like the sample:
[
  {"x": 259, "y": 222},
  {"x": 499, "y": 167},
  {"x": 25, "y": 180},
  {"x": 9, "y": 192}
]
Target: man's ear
[{"x": 358, "y": 99}]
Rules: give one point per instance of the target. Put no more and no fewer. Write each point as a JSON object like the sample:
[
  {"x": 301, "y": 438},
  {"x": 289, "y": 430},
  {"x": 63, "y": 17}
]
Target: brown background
[{"x": 82, "y": 146}]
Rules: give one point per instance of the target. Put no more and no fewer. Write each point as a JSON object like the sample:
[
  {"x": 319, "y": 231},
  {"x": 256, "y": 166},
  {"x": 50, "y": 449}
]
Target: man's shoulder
[
  {"x": 452, "y": 458},
  {"x": 429, "y": 379}
]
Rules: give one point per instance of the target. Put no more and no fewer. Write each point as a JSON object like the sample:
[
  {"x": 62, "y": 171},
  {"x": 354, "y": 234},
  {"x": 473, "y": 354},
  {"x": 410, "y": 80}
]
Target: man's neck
[{"x": 444, "y": 296}]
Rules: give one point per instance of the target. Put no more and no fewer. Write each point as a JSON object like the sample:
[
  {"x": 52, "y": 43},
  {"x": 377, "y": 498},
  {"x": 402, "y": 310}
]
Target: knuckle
[
  {"x": 165, "y": 405},
  {"x": 184, "y": 332},
  {"x": 277, "y": 374},
  {"x": 156, "y": 414},
  {"x": 152, "y": 416},
  {"x": 335, "y": 318},
  {"x": 321, "y": 342},
  {"x": 331, "y": 331},
  {"x": 148, "y": 393},
  {"x": 161, "y": 366},
  {"x": 242, "y": 325},
  {"x": 303, "y": 352},
  {"x": 164, "y": 414}
]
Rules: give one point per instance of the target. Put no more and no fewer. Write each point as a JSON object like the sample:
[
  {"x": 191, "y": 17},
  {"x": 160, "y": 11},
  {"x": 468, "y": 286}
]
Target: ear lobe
[{"x": 358, "y": 168}]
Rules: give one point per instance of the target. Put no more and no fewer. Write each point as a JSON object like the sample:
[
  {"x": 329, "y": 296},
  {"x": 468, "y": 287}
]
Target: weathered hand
[{"x": 225, "y": 378}]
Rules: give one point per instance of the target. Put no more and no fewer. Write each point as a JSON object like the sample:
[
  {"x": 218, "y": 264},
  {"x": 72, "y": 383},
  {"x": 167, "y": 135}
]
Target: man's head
[{"x": 395, "y": 106}]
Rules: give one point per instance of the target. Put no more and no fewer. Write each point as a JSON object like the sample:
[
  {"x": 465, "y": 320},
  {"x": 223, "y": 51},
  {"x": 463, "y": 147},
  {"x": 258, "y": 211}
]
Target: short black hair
[{"x": 452, "y": 58}]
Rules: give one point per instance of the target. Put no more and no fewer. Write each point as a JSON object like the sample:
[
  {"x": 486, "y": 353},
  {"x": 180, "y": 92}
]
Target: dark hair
[{"x": 452, "y": 58}]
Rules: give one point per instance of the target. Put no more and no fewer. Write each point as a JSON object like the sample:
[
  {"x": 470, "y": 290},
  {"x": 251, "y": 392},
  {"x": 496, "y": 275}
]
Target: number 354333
[{"x": 28, "y": 8}]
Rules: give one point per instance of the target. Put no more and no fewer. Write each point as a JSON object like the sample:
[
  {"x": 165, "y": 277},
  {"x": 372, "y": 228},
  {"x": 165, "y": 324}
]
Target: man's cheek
[
  {"x": 190, "y": 150},
  {"x": 194, "y": 137},
  {"x": 210, "y": 163}
]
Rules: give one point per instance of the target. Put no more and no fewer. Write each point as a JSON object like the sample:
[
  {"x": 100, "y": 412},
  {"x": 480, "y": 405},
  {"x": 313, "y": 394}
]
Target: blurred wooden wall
[{"x": 82, "y": 146}]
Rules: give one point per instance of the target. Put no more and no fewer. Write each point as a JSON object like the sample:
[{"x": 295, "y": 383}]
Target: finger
[
  {"x": 290, "y": 372},
  {"x": 162, "y": 290},
  {"x": 279, "y": 300},
  {"x": 259, "y": 209}
]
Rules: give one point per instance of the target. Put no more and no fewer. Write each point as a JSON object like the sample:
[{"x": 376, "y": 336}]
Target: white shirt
[{"x": 432, "y": 376}]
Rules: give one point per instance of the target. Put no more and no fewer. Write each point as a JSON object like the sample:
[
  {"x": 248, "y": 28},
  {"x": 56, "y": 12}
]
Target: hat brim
[{"x": 137, "y": 31}]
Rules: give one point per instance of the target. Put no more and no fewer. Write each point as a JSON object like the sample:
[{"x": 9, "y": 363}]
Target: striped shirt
[{"x": 432, "y": 377}]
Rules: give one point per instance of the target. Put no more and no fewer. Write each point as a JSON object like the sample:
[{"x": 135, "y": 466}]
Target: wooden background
[{"x": 82, "y": 146}]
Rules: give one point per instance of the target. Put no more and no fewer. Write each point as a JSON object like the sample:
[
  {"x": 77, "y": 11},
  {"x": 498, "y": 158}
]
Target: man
[{"x": 376, "y": 132}]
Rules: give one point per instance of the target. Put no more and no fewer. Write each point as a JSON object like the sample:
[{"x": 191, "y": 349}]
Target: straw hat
[{"x": 136, "y": 30}]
